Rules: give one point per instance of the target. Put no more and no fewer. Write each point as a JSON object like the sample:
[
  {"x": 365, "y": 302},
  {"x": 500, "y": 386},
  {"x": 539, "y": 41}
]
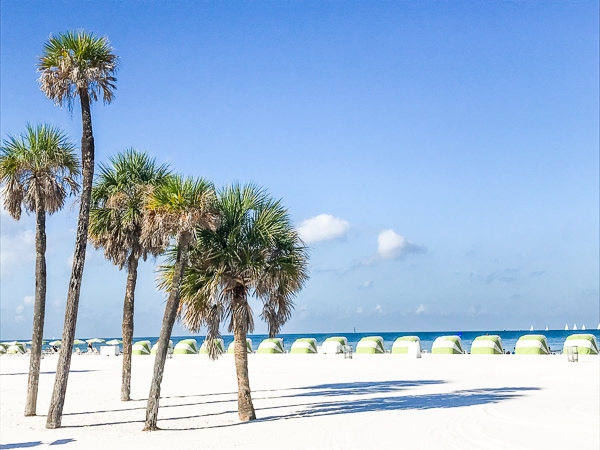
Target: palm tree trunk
[
  {"x": 245, "y": 407},
  {"x": 39, "y": 309},
  {"x": 128, "y": 307},
  {"x": 165, "y": 332},
  {"x": 64, "y": 358}
]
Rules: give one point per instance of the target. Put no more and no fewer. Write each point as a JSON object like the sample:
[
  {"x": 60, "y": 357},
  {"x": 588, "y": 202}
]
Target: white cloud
[
  {"x": 19, "y": 309},
  {"x": 391, "y": 245},
  {"x": 421, "y": 309},
  {"x": 323, "y": 227},
  {"x": 359, "y": 310},
  {"x": 379, "y": 309},
  {"x": 28, "y": 299}
]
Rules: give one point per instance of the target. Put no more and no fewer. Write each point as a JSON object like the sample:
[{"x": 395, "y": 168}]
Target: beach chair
[
  {"x": 334, "y": 345},
  {"x": 304, "y": 346},
  {"x": 487, "y": 345},
  {"x": 186, "y": 347},
  {"x": 585, "y": 343},
  {"x": 402, "y": 344},
  {"x": 218, "y": 342},
  {"x": 532, "y": 344},
  {"x": 271, "y": 346},
  {"x": 231, "y": 348},
  {"x": 447, "y": 345},
  {"x": 370, "y": 345}
]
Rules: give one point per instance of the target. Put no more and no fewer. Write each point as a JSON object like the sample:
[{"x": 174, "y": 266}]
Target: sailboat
[
  {"x": 583, "y": 327},
  {"x": 531, "y": 328},
  {"x": 567, "y": 327},
  {"x": 574, "y": 326},
  {"x": 546, "y": 327}
]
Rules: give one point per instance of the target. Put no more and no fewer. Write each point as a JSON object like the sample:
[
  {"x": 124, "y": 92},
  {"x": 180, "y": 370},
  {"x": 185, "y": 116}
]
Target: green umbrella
[
  {"x": 113, "y": 342},
  {"x": 78, "y": 342},
  {"x": 54, "y": 343},
  {"x": 94, "y": 341}
]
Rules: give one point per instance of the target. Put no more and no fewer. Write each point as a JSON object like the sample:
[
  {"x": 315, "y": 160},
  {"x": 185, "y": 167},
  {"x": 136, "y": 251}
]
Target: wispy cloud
[
  {"x": 323, "y": 227},
  {"x": 366, "y": 285},
  {"x": 421, "y": 309}
]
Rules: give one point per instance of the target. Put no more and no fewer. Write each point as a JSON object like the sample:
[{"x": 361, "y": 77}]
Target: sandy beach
[{"x": 317, "y": 402}]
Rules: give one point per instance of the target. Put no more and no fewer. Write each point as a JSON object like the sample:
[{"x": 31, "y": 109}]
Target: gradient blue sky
[{"x": 439, "y": 158}]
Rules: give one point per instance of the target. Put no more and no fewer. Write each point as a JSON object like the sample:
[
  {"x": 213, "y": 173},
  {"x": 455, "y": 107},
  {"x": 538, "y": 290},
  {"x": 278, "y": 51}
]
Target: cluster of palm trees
[{"x": 222, "y": 247}]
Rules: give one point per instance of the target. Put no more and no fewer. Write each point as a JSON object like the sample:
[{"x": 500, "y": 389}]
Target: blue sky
[{"x": 439, "y": 158}]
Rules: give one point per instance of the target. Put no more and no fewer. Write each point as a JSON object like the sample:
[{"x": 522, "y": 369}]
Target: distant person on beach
[
  {"x": 90, "y": 348},
  {"x": 54, "y": 349}
]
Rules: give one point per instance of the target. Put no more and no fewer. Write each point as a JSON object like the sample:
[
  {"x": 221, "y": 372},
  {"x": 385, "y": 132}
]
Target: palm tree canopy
[
  {"x": 41, "y": 162},
  {"x": 77, "y": 60},
  {"x": 178, "y": 206},
  {"x": 254, "y": 251},
  {"x": 118, "y": 204}
]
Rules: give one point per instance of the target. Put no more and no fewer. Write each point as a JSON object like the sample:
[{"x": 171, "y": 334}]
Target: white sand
[{"x": 317, "y": 402}]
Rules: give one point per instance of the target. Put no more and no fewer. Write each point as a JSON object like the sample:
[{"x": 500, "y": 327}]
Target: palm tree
[
  {"x": 118, "y": 198},
  {"x": 76, "y": 64},
  {"x": 38, "y": 171},
  {"x": 255, "y": 251},
  {"x": 176, "y": 210}
]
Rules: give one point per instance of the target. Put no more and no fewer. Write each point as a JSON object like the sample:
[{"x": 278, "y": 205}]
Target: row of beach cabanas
[{"x": 532, "y": 344}]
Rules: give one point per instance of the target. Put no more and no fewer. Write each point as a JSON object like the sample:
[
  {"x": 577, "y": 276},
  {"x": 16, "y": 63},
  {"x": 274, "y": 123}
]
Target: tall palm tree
[
  {"x": 118, "y": 207},
  {"x": 38, "y": 170},
  {"x": 76, "y": 64},
  {"x": 176, "y": 210},
  {"x": 255, "y": 251}
]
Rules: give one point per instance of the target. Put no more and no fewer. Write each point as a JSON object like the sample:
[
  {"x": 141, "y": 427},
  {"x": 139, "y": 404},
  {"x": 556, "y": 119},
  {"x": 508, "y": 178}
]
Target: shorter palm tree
[
  {"x": 118, "y": 208},
  {"x": 38, "y": 170},
  {"x": 255, "y": 251},
  {"x": 176, "y": 209}
]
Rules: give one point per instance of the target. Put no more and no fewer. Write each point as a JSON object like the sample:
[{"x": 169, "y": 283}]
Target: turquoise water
[{"x": 556, "y": 338}]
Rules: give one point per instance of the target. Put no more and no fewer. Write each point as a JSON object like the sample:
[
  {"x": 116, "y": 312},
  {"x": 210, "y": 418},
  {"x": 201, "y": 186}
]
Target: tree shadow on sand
[{"x": 455, "y": 399}]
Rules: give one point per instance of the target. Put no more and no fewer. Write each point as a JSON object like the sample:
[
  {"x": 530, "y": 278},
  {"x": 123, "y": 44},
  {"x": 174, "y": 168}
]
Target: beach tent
[
  {"x": 487, "y": 345},
  {"x": 140, "y": 348},
  {"x": 272, "y": 345},
  {"x": 532, "y": 344},
  {"x": 334, "y": 344},
  {"x": 186, "y": 347},
  {"x": 304, "y": 345},
  {"x": 586, "y": 344},
  {"x": 400, "y": 345},
  {"x": 370, "y": 345},
  {"x": 15, "y": 347},
  {"x": 219, "y": 343},
  {"x": 447, "y": 345},
  {"x": 231, "y": 348},
  {"x": 155, "y": 347}
]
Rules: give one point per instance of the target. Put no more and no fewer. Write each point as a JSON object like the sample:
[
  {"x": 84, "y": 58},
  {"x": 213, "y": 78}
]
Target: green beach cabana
[
  {"x": 487, "y": 345},
  {"x": 155, "y": 347},
  {"x": 204, "y": 347},
  {"x": 271, "y": 346},
  {"x": 304, "y": 346},
  {"x": 2, "y": 349},
  {"x": 447, "y": 345},
  {"x": 371, "y": 345},
  {"x": 400, "y": 345},
  {"x": 586, "y": 344},
  {"x": 186, "y": 347},
  {"x": 231, "y": 348},
  {"x": 532, "y": 344},
  {"x": 334, "y": 344},
  {"x": 140, "y": 348}
]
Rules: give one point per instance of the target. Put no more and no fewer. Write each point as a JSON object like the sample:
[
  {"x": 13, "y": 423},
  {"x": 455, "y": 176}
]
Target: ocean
[{"x": 556, "y": 338}]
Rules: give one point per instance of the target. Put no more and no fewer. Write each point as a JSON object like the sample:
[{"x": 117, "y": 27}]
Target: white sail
[
  {"x": 546, "y": 327},
  {"x": 567, "y": 326},
  {"x": 531, "y": 328},
  {"x": 583, "y": 327},
  {"x": 574, "y": 326}
]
